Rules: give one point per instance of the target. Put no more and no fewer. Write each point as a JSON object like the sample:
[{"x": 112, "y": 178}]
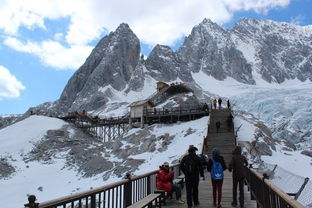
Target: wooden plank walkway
[{"x": 205, "y": 194}]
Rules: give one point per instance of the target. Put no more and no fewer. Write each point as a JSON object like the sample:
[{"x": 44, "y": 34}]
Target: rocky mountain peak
[
  {"x": 277, "y": 50},
  {"x": 162, "y": 50},
  {"x": 111, "y": 63},
  {"x": 123, "y": 27},
  {"x": 207, "y": 23}
]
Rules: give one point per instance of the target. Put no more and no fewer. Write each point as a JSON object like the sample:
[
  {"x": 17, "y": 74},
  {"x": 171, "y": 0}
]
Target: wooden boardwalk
[{"x": 205, "y": 194}]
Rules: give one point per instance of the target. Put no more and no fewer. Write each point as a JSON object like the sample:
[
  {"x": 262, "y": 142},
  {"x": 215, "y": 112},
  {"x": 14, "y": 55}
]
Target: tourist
[
  {"x": 218, "y": 125},
  {"x": 219, "y": 102},
  {"x": 216, "y": 167},
  {"x": 215, "y": 103},
  {"x": 192, "y": 168},
  {"x": 237, "y": 166},
  {"x": 164, "y": 182}
]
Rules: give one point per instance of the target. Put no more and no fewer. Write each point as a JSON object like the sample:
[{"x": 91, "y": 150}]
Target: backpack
[
  {"x": 216, "y": 170},
  {"x": 190, "y": 166},
  {"x": 203, "y": 159}
]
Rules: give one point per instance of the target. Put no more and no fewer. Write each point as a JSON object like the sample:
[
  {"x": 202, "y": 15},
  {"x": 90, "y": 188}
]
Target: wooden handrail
[
  {"x": 90, "y": 193},
  {"x": 81, "y": 194},
  {"x": 290, "y": 201}
]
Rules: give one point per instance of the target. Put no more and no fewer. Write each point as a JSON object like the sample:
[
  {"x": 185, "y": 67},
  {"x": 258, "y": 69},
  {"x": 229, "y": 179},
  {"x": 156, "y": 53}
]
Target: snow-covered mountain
[
  {"x": 263, "y": 67},
  {"x": 38, "y": 161},
  {"x": 258, "y": 53}
]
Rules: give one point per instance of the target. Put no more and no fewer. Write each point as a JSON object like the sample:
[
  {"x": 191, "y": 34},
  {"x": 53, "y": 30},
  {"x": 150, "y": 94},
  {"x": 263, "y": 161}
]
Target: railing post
[
  {"x": 301, "y": 188},
  {"x": 265, "y": 192},
  {"x": 93, "y": 201},
  {"x": 128, "y": 191},
  {"x": 148, "y": 188}
]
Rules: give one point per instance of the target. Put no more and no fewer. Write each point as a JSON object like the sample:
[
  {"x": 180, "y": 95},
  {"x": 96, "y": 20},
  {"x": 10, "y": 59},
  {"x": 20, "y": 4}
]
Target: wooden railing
[
  {"x": 176, "y": 111},
  {"x": 267, "y": 194},
  {"x": 117, "y": 195},
  {"x": 86, "y": 121}
]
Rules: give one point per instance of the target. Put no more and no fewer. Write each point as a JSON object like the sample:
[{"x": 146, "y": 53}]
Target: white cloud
[
  {"x": 52, "y": 53},
  {"x": 152, "y": 21},
  {"x": 260, "y": 6},
  {"x": 10, "y": 87},
  {"x": 297, "y": 20}
]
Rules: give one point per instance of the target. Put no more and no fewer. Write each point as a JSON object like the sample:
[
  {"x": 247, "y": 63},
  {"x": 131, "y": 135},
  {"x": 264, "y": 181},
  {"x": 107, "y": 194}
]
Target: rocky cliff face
[
  {"x": 210, "y": 48},
  {"x": 277, "y": 51},
  {"x": 111, "y": 63}
]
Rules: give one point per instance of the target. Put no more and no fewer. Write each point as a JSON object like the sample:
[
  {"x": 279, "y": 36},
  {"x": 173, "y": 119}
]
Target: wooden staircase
[{"x": 224, "y": 139}]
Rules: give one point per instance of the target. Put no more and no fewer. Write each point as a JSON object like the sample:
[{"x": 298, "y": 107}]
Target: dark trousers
[
  {"x": 217, "y": 191},
  {"x": 241, "y": 190},
  {"x": 177, "y": 189},
  {"x": 191, "y": 190}
]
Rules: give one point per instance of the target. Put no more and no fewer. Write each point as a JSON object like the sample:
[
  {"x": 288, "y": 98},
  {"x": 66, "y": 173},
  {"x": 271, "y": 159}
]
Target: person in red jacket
[{"x": 164, "y": 180}]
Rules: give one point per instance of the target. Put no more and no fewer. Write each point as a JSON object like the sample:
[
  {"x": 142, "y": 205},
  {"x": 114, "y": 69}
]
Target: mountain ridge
[{"x": 209, "y": 48}]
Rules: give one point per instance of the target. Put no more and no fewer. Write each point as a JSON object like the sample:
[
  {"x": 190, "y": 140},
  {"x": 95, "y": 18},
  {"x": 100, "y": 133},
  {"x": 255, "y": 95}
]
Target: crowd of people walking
[
  {"x": 218, "y": 102},
  {"x": 192, "y": 165}
]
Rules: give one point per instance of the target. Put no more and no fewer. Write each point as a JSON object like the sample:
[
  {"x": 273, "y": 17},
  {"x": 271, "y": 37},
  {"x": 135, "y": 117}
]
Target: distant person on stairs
[
  {"x": 219, "y": 102},
  {"x": 229, "y": 122},
  {"x": 216, "y": 167},
  {"x": 228, "y": 104},
  {"x": 236, "y": 166},
  {"x": 164, "y": 182},
  {"x": 192, "y": 168},
  {"x": 218, "y": 125},
  {"x": 215, "y": 103}
]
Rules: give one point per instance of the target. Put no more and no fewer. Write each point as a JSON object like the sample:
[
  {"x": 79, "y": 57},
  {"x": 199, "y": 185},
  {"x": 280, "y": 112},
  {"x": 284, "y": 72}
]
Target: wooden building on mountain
[
  {"x": 161, "y": 85},
  {"x": 137, "y": 108}
]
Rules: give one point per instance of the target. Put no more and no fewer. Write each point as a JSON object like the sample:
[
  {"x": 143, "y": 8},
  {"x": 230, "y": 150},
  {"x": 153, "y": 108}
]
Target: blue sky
[{"x": 42, "y": 43}]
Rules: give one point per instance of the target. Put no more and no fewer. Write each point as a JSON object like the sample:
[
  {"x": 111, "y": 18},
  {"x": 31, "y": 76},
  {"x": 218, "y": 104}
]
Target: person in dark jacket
[
  {"x": 192, "y": 168},
  {"x": 219, "y": 102},
  {"x": 218, "y": 125},
  {"x": 237, "y": 165},
  {"x": 229, "y": 122},
  {"x": 31, "y": 202},
  {"x": 215, "y": 103},
  {"x": 216, "y": 183},
  {"x": 228, "y": 104}
]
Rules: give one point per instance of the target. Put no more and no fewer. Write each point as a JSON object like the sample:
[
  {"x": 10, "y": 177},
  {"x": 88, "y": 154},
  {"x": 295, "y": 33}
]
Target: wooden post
[
  {"x": 142, "y": 121},
  {"x": 130, "y": 123},
  {"x": 301, "y": 188},
  {"x": 128, "y": 191},
  {"x": 93, "y": 201},
  {"x": 148, "y": 185}
]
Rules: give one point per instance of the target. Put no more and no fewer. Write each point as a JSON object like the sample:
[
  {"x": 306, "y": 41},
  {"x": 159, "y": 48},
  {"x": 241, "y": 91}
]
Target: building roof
[{"x": 141, "y": 102}]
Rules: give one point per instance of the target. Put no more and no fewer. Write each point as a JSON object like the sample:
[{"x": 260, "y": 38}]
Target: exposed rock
[
  {"x": 307, "y": 153},
  {"x": 290, "y": 145},
  {"x": 111, "y": 63},
  {"x": 95, "y": 165},
  {"x": 166, "y": 140},
  {"x": 263, "y": 148},
  {"x": 189, "y": 131},
  {"x": 287, "y": 149},
  {"x": 268, "y": 140},
  {"x": 6, "y": 169},
  {"x": 8, "y": 120}
]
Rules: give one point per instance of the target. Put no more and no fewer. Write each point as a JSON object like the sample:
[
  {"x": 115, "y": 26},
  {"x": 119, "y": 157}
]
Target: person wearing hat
[
  {"x": 31, "y": 202},
  {"x": 191, "y": 167},
  {"x": 164, "y": 180}
]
